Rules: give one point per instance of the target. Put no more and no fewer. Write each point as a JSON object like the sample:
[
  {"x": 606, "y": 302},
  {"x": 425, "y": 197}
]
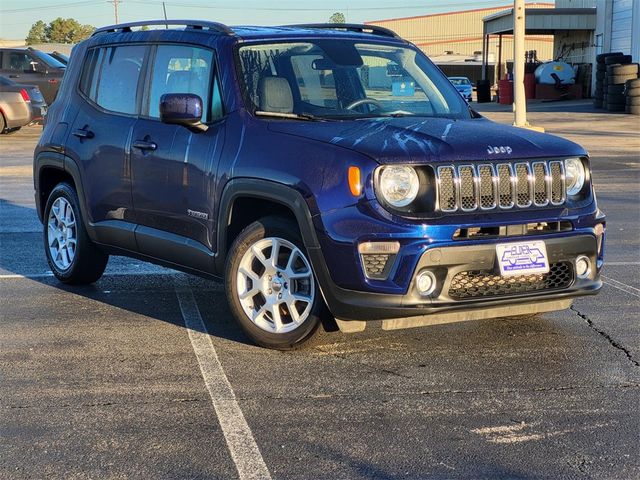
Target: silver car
[{"x": 20, "y": 105}]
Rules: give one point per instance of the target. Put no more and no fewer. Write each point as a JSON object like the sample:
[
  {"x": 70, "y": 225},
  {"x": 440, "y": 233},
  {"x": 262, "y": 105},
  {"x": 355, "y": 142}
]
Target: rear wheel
[
  {"x": 270, "y": 285},
  {"x": 71, "y": 254}
]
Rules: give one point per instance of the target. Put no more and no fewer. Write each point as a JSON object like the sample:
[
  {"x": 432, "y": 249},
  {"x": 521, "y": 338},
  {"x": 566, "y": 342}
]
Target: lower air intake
[{"x": 485, "y": 283}]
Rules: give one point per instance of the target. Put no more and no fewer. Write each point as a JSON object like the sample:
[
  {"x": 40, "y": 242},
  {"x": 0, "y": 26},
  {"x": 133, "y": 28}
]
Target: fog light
[
  {"x": 583, "y": 266},
  {"x": 425, "y": 282}
]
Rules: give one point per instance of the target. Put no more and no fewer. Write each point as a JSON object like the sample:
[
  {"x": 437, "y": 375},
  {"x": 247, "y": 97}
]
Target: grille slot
[
  {"x": 487, "y": 187},
  {"x": 485, "y": 283},
  {"x": 523, "y": 185},
  {"x": 540, "y": 184},
  {"x": 557, "y": 183},
  {"x": 467, "y": 188},
  {"x": 447, "y": 191},
  {"x": 504, "y": 185}
]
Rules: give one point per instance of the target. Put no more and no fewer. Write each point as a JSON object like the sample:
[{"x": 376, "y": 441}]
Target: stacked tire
[
  {"x": 619, "y": 69},
  {"x": 601, "y": 80},
  {"x": 632, "y": 96}
]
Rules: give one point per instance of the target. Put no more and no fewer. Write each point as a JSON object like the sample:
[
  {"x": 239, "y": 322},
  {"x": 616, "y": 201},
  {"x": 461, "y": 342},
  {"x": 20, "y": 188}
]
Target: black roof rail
[
  {"x": 350, "y": 27},
  {"x": 193, "y": 24}
]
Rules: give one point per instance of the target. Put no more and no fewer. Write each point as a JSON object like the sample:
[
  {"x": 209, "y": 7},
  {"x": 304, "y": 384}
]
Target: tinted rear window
[{"x": 110, "y": 77}]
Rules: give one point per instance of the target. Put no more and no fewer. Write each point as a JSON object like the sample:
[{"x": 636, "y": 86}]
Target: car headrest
[{"x": 275, "y": 95}]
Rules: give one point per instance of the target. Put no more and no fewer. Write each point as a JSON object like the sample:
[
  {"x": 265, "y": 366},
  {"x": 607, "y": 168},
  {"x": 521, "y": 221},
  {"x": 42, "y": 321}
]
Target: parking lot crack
[
  {"x": 615, "y": 344},
  {"x": 369, "y": 367}
]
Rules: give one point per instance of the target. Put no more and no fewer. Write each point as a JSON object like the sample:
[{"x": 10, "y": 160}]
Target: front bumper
[{"x": 447, "y": 261}]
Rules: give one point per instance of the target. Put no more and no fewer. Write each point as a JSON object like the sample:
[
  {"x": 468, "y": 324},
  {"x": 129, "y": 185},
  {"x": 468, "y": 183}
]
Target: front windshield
[
  {"x": 345, "y": 79},
  {"x": 49, "y": 60},
  {"x": 460, "y": 81}
]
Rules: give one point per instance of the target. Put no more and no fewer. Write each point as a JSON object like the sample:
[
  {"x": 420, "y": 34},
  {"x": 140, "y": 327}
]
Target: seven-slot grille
[{"x": 504, "y": 185}]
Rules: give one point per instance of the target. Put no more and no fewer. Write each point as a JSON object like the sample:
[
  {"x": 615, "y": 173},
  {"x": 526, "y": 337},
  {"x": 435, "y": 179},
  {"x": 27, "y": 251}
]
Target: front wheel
[{"x": 270, "y": 285}]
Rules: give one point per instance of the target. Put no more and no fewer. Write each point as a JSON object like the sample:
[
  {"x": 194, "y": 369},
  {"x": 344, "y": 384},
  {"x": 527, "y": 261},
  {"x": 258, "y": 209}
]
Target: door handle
[
  {"x": 82, "y": 133},
  {"x": 144, "y": 145}
]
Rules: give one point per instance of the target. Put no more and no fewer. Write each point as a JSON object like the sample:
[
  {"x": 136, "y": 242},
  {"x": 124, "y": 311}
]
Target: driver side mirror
[{"x": 182, "y": 109}]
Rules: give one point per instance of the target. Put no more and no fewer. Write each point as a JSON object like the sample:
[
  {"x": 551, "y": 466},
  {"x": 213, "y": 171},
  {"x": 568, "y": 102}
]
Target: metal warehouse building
[
  {"x": 461, "y": 33},
  {"x": 618, "y": 27}
]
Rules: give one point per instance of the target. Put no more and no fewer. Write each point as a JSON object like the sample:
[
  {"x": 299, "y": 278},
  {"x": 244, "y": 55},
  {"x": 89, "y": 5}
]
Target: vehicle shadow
[{"x": 22, "y": 254}]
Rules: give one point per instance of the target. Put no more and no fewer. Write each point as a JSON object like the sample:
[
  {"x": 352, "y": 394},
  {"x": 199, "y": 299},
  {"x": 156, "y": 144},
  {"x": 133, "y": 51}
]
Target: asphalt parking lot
[{"x": 145, "y": 375}]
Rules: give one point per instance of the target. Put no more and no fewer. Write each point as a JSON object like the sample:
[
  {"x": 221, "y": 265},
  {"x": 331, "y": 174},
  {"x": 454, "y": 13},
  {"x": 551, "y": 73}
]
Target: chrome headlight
[
  {"x": 575, "y": 175},
  {"x": 399, "y": 185}
]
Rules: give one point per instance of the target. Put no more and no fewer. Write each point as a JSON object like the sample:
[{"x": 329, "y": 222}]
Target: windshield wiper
[{"x": 295, "y": 116}]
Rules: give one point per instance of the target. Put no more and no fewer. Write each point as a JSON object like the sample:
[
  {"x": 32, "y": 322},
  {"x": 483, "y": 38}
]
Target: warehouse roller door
[{"x": 621, "y": 26}]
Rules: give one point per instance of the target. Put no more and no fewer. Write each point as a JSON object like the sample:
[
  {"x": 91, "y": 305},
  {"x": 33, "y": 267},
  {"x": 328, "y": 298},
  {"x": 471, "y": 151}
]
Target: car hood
[
  {"x": 412, "y": 140},
  {"x": 463, "y": 87}
]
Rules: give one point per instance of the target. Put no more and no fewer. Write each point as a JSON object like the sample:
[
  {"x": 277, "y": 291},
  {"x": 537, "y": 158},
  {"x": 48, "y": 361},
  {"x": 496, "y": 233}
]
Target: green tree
[
  {"x": 60, "y": 30},
  {"x": 337, "y": 17},
  {"x": 37, "y": 34}
]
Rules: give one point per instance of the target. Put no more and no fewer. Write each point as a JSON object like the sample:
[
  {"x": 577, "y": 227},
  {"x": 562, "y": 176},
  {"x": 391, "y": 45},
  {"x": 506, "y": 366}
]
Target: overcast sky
[{"x": 16, "y": 17}]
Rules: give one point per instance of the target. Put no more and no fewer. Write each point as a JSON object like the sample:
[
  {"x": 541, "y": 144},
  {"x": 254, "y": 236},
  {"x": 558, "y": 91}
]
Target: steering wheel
[{"x": 364, "y": 101}]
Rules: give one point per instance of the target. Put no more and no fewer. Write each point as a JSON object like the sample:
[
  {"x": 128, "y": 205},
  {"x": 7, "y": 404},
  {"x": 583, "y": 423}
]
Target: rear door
[
  {"x": 100, "y": 134},
  {"x": 173, "y": 168}
]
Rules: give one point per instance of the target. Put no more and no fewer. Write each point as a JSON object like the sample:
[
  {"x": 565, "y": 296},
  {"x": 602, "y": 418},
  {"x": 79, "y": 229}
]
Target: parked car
[
  {"x": 464, "y": 86},
  {"x": 16, "y": 108},
  {"x": 32, "y": 67},
  {"x": 61, "y": 57},
  {"x": 31, "y": 94},
  {"x": 285, "y": 162}
]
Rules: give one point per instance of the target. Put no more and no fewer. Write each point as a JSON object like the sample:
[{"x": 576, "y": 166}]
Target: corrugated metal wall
[
  {"x": 461, "y": 33},
  {"x": 621, "y": 25}
]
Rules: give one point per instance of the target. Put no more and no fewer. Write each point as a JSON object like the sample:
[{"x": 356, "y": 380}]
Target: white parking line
[
  {"x": 242, "y": 446},
  {"x": 622, "y": 286},
  {"x": 35, "y": 276}
]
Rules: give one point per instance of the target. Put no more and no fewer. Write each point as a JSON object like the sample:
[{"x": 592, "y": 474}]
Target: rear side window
[
  {"x": 185, "y": 69},
  {"x": 110, "y": 77}
]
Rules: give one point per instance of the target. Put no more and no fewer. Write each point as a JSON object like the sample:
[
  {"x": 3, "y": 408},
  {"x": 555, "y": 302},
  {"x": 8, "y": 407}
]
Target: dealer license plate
[{"x": 522, "y": 258}]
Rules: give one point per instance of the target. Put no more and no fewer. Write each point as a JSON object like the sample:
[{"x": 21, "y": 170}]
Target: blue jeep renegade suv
[{"x": 309, "y": 166}]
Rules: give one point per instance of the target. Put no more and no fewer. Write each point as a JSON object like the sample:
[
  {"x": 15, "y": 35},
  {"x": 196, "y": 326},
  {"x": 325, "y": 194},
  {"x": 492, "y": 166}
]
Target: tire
[
  {"x": 622, "y": 59},
  {"x": 615, "y": 98},
  {"x": 615, "y": 89},
  {"x": 629, "y": 69},
  {"x": 632, "y": 92},
  {"x": 3, "y": 123},
  {"x": 611, "y": 67},
  {"x": 600, "y": 75},
  {"x": 244, "y": 269},
  {"x": 600, "y": 58},
  {"x": 616, "y": 107},
  {"x": 621, "y": 79},
  {"x": 83, "y": 264},
  {"x": 633, "y": 101},
  {"x": 633, "y": 83}
]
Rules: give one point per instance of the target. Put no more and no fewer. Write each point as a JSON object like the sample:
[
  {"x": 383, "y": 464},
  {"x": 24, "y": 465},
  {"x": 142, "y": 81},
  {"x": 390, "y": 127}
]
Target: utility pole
[
  {"x": 115, "y": 9},
  {"x": 519, "y": 99},
  {"x": 519, "y": 96}
]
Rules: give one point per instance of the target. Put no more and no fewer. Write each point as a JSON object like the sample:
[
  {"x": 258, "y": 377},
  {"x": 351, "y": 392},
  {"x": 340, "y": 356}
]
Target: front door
[{"x": 173, "y": 168}]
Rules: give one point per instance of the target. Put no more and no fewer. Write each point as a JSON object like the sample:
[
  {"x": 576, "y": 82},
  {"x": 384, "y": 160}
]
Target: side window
[
  {"x": 185, "y": 69},
  {"x": 110, "y": 77},
  {"x": 20, "y": 62}
]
